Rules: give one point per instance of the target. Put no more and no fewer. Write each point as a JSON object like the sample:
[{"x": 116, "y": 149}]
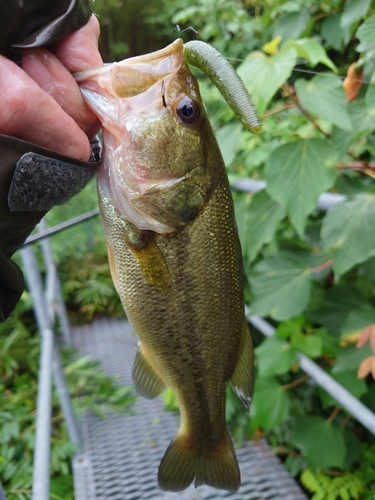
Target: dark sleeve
[
  {"x": 32, "y": 181},
  {"x": 33, "y": 23}
]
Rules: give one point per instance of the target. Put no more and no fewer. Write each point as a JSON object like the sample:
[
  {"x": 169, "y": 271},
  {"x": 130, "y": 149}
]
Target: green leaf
[
  {"x": 335, "y": 35},
  {"x": 264, "y": 75},
  {"x": 313, "y": 51},
  {"x": 270, "y": 406},
  {"x": 261, "y": 220},
  {"x": 370, "y": 100},
  {"x": 365, "y": 34},
  {"x": 275, "y": 357},
  {"x": 228, "y": 138},
  {"x": 324, "y": 96},
  {"x": 335, "y": 305},
  {"x": 358, "y": 320},
  {"x": 347, "y": 379},
  {"x": 322, "y": 444},
  {"x": 349, "y": 358},
  {"x": 353, "y": 448},
  {"x": 292, "y": 25},
  {"x": 297, "y": 174},
  {"x": 354, "y": 10},
  {"x": 288, "y": 328},
  {"x": 311, "y": 345},
  {"x": 361, "y": 117},
  {"x": 348, "y": 232},
  {"x": 281, "y": 285}
]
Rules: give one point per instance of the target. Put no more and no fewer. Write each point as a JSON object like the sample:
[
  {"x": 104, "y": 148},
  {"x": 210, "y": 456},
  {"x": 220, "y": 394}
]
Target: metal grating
[{"x": 122, "y": 453}]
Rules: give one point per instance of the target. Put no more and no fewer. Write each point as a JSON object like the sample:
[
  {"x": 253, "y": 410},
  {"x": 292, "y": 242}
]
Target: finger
[
  {"x": 79, "y": 50},
  {"x": 29, "y": 113},
  {"x": 51, "y": 76}
]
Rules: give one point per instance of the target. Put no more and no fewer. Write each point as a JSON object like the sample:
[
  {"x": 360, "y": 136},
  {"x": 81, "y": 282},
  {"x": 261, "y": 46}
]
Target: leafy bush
[{"x": 310, "y": 273}]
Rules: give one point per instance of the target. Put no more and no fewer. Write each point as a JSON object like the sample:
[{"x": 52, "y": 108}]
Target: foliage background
[{"x": 310, "y": 273}]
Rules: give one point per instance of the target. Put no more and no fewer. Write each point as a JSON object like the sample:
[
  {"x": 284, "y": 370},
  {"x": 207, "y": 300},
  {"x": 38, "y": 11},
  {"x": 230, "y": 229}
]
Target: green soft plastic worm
[{"x": 230, "y": 85}]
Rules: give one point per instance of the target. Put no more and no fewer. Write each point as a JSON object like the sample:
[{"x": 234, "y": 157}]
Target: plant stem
[
  {"x": 333, "y": 415},
  {"x": 286, "y": 451},
  {"x": 321, "y": 267},
  {"x": 279, "y": 109},
  {"x": 295, "y": 383}
]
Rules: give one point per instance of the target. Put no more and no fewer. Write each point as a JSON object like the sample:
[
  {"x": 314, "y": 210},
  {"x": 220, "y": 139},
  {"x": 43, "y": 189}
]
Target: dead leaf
[
  {"x": 367, "y": 334},
  {"x": 366, "y": 367},
  {"x": 352, "y": 82}
]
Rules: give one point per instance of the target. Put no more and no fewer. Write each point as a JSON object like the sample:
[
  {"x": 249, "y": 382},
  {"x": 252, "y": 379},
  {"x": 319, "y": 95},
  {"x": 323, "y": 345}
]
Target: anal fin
[
  {"x": 242, "y": 380},
  {"x": 146, "y": 381}
]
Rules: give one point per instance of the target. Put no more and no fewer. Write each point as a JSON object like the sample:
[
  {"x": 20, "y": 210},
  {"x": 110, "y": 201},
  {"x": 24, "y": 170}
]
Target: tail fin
[{"x": 216, "y": 466}]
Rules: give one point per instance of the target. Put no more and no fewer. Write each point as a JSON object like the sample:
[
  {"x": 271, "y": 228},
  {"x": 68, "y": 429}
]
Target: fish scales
[{"x": 178, "y": 271}]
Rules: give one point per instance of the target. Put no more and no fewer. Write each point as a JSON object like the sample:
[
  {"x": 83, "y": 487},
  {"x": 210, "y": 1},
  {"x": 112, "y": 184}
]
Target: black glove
[{"x": 32, "y": 180}]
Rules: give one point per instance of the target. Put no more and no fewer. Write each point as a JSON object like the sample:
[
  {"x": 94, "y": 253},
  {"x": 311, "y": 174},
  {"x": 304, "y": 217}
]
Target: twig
[
  {"x": 296, "y": 383},
  {"x": 286, "y": 451},
  {"x": 311, "y": 119},
  {"x": 279, "y": 109},
  {"x": 356, "y": 165},
  {"x": 333, "y": 415},
  {"x": 321, "y": 267}
]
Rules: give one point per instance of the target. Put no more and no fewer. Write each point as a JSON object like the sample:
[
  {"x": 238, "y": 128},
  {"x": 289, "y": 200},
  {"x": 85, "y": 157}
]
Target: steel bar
[
  {"x": 44, "y": 320},
  {"x": 54, "y": 293},
  {"x": 61, "y": 227},
  {"x": 41, "y": 470},
  {"x": 351, "y": 404},
  {"x": 325, "y": 201}
]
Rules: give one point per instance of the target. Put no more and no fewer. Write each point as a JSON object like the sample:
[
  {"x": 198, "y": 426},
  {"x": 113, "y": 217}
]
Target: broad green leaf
[
  {"x": 322, "y": 444},
  {"x": 370, "y": 100},
  {"x": 334, "y": 33},
  {"x": 361, "y": 116},
  {"x": 358, "y": 320},
  {"x": 292, "y": 25},
  {"x": 335, "y": 305},
  {"x": 288, "y": 328},
  {"x": 365, "y": 34},
  {"x": 349, "y": 380},
  {"x": 228, "y": 138},
  {"x": 348, "y": 232},
  {"x": 297, "y": 174},
  {"x": 274, "y": 357},
  {"x": 261, "y": 220},
  {"x": 270, "y": 406},
  {"x": 324, "y": 96},
  {"x": 353, "y": 448},
  {"x": 264, "y": 75},
  {"x": 313, "y": 51},
  {"x": 353, "y": 11},
  {"x": 349, "y": 358},
  {"x": 311, "y": 345},
  {"x": 281, "y": 286}
]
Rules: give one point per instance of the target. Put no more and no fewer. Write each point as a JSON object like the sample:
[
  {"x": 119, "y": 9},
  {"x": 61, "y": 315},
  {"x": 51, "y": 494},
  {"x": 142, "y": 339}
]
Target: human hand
[{"x": 42, "y": 103}]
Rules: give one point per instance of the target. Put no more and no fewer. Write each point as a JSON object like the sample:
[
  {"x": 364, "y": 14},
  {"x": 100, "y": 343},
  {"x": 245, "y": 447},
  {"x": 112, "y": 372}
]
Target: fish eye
[{"x": 188, "y": 111}]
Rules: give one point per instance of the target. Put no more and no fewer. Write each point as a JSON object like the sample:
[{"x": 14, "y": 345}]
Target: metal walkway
[{"x": 122, "y": 453}]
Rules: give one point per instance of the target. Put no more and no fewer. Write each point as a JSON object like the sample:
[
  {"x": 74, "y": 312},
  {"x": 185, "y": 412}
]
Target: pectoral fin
[
  {"x": 151, "y": 261},
  {"x": 146, "y": 381},
  {"x": 242, "y": 380}
]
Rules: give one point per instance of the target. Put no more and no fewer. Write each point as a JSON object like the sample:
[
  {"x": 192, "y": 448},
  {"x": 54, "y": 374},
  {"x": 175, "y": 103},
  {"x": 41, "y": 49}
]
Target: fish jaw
[{"x": 155, "y": 165}]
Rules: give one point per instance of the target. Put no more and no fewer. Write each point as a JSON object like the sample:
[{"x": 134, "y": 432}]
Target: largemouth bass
[{"x": 174, "y": 254}]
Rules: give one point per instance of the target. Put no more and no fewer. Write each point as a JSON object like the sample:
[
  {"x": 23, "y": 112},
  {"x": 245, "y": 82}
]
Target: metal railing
[
  {"x": 49, "y": 307},
  {"x": 50, "y": 311}
]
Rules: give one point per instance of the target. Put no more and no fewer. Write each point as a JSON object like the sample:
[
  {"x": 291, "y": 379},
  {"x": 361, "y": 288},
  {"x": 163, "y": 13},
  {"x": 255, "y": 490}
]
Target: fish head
[{"x": 156, "y": 136}]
